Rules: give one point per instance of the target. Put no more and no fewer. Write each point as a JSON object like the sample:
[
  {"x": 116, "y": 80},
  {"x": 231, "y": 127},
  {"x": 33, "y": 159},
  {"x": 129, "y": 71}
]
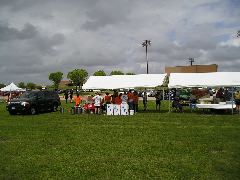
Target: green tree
[
  {"x": 2, "y": 85},
  {"x": 116, "y": 73},
  {"x": 39, "y": 87},
  {"x": 77, "y": 76},
  {"x": 21, "y": 85},
  {"x": 99, "y": 73},
  {"x": 130, "y": 73},
  {"x": 56, "y": 77},
  {"x": 31, "y": 86}
]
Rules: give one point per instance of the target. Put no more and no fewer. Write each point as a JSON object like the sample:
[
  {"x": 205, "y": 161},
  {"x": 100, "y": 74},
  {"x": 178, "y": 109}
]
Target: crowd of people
[{"x": 131, "y": 98}]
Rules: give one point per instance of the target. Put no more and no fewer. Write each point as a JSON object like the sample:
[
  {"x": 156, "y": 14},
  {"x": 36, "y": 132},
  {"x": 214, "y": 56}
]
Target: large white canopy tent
[
  {"x": 124, "y": 81},
  {"x": 11, "y": 87},
  {"x": 214, "y": 79}
]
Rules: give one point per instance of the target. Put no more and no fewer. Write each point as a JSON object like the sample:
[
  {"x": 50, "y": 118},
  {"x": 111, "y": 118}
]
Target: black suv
[{"x": 33, "y": 102}]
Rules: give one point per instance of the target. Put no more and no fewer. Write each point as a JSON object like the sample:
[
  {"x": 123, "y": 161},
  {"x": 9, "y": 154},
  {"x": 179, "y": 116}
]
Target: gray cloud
[
  {"x": 105, "y": 13},
  {"x": 11, "y": 33},
  {"x": 39, "y": 37}
]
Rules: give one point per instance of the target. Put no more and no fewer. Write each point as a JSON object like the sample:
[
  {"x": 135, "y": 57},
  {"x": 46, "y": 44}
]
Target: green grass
[{"x": 148, "y": 145}]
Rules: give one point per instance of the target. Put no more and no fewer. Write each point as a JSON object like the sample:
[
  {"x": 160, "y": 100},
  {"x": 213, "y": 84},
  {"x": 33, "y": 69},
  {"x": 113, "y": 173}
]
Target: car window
[
  {"x": 29, "y": 94},
  {"x": 50, "y": 94}
]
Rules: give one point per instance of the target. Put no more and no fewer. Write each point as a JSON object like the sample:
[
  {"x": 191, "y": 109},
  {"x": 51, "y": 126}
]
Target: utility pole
[
  {"x": 191, "y": 60},
  {"x": 146, "y": 43}
]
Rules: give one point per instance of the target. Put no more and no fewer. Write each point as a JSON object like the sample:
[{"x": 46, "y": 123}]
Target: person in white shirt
[
  {"x": 124, "y": 98},
  {"x": 97, "y": 102}
]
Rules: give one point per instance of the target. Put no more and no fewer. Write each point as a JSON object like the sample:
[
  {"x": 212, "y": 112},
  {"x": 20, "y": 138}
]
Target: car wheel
[
  {"x": 12, "y": 113},
  {"x": 33, "y": 111},
  {"x": 55, "y": 107}
]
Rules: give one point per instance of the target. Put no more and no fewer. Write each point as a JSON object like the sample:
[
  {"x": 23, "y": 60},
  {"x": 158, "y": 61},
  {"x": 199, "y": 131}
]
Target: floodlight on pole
[
  {"x": 145, "y": 44},
  {"x": 191, "y": 60}
]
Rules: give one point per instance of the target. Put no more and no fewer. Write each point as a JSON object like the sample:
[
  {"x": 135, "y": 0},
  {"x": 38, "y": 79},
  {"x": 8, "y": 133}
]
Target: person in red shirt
[
  {"x": 130, "y": 100},
  {"x": 115, "y": 94},
  {"x": 135, "y": 100},
  {"x": 107, "y": 99},
  {"x": 118, "y": 99}
]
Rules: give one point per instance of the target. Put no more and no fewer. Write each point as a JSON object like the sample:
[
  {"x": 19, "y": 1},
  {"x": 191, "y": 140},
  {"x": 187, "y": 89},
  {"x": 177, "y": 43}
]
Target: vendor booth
[
  {"x": 215, "y": 79},
  {"x": 123, "y": 82}
]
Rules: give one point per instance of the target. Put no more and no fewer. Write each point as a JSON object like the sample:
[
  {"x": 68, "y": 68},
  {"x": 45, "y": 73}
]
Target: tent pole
[
  {"x": 169, "y": 100},
  {"x": 163, "y": 94},
  {"x": 232, "y": 100}
]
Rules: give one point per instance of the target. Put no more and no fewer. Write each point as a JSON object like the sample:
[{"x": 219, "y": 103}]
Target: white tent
[
  {"x": 11, "y": 87},
  {"x": 215, "y": 79},
  {"x": 124, "y": 81}
]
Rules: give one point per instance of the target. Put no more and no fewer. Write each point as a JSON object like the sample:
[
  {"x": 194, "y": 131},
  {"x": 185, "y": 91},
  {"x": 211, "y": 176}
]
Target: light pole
[
  {"x": 146, "y": 43},
  {"x": 191, "y": 60}
]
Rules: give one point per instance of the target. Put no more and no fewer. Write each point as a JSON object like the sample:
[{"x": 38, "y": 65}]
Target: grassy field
[{"x": 148, "y": 145}]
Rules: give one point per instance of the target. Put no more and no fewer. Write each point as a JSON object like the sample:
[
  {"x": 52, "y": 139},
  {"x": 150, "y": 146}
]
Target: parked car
[{"x": 33, "y": 102}]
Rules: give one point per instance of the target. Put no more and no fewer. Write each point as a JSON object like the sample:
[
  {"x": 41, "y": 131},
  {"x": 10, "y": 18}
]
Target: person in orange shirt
[
  {"x": 78, "y": 100},
  {"x": 118, "y": 99},
  {"x": 135, "y": 100}
]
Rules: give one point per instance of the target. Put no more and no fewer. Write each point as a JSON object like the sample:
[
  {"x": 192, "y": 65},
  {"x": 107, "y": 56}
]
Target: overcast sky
[{"x": 39, "y": 37}]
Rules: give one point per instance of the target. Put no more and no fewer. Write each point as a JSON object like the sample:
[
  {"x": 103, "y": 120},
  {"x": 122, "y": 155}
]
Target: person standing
[
  {"x": 145, "y": 100},
  {"x": 97, "y": 103},
  {"x": 66, "y": 95},
  {"x": 124, "y": 98},
  {"x": 107, "y": 99},
  {"x": 237, "y": 101},
  {"x": 115, "y": 94},
  {"x": 78, "y": 100},
  {"x": 135, "y": 100},
  {"x": 158, "y": 97},
  {"x": 219, "y": 95},
  {"x": 130, "y": 100},
  {"x": 118, "y": 99},
  {"x": 71, "y": 95}
]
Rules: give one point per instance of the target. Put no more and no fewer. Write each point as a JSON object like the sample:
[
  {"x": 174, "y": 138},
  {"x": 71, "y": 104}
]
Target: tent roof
[
  {"x": 11, "y": 87},
  {"x": 124, "y": 81},
  {"x": 227, "y": 79}
]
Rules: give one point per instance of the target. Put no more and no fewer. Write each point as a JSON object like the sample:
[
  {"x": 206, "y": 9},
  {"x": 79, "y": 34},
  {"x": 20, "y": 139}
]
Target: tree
[
  {"x": 56, "y": 77},
  {"x": 2, "y": 85},
  {"x": 21, "y": 85},
  {"x": 99, "y": 73},
  {"x": 116, "y": 73},
  {"x": 39, "y": 87},
  {"x": 130, "y": 73},
  {"x": 77, "y": 76},
  {"x": 31, "y": 86}
]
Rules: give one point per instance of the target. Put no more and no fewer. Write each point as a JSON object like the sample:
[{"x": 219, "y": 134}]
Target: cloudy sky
[{"x": 39, "y": 37}]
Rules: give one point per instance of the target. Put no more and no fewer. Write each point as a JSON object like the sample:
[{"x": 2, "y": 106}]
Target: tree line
[{"x": 77, "y": 76}]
